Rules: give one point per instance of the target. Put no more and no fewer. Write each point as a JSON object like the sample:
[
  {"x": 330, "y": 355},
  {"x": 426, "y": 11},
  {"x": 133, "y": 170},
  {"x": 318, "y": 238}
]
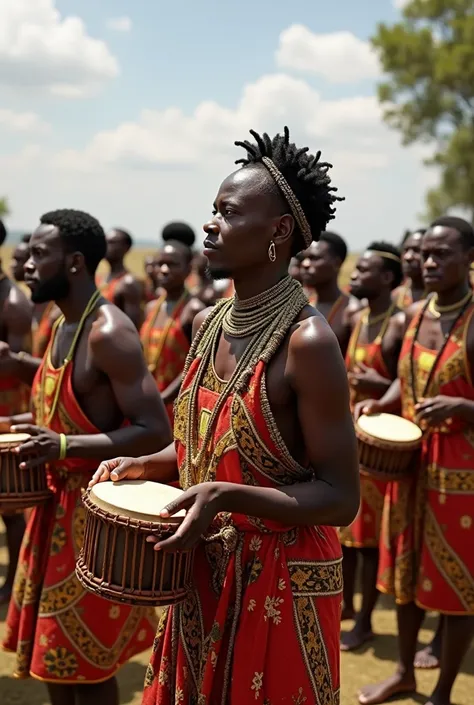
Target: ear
[
  {"x": 388, "y": 277},
  {"x": 75, "y": 263},
  {"x": 285, "y": 227}
]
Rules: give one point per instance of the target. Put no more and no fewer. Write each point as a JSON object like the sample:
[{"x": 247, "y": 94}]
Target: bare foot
[
  {"x": 397, "y": 684},
  {"x": 5, "y": 594},
  {"x": 357, "y": 637},
  {"x": 347, "y": 613},
  {"x": 426, "y": 659}
]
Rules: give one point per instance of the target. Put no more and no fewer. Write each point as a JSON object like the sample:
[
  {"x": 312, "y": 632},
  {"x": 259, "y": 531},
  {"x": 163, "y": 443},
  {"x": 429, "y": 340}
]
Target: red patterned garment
[
  {"x": 108, "y": 289},
  {"x": 426, "y": 553},
  {"x": 364, "y": 532},
  {"x": 262, "y": 623},
  {"x": 165, "y": 347},
  {"x": 44, "y": 330},
  {"x": 60, "y": 632}
]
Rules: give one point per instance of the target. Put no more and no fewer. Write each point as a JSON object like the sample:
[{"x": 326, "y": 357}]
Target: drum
[
  {"x": 388, "y": 445},
  {"x": 116, "y": 562},
  {"x": 20, "y": 489}
]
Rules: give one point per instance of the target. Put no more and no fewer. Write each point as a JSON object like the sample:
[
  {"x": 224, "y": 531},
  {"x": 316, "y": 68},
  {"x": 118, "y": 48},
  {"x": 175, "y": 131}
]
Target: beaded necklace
[
  {"x": 164, "y": 333},
  {"x": 365, "y": 320},
  {"x": 60, "y": 321}
]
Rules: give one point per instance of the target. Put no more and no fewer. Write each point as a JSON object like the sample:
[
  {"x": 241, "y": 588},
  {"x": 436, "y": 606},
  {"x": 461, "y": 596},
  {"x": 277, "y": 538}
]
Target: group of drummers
[{"x": 245, "y": 519}]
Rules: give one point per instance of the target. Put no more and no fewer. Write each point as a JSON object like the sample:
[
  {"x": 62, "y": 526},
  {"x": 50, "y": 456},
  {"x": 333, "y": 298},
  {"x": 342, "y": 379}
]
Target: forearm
[
  {"x": 25, "y": 367},
  {"x": 172, "y": 390},
  {"x": 18, "y": 419},
  {"x": 124, "y": 441},
  {"x": 465, "y": 410},
  {"x": 303, "y": 504},
  {"x": 161, "y": 466},
  {"x": 391, "y": 401}
]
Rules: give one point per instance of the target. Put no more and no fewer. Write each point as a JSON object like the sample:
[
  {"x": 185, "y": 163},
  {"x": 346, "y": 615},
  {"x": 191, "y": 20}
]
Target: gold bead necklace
[{"x": 437, "y": 311}]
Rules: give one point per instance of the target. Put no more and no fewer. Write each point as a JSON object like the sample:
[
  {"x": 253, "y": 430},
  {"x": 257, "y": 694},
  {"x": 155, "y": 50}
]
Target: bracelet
[{"x": 62, "y": 446}]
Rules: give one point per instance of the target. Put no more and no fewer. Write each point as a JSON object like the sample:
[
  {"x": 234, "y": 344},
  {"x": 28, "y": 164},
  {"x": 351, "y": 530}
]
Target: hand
[
  {"x": 119, "y": 469},
  {"x": 7, "y": 360},
  {"x": 368, "y": 407},
  {"x": 201, "y": 503},
  {"x": 5, "y": 424},
  {"x": 366, "y": 380},
  {"x": 44, "y": 442},
  {"x": 432, "y": 412}
]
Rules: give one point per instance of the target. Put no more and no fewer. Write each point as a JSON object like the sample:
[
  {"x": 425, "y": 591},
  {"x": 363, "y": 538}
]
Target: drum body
[
  {"x": 117, "y": 563},
  {"x": 20, "y": 489},
  {"x": 389, "y": 446}
]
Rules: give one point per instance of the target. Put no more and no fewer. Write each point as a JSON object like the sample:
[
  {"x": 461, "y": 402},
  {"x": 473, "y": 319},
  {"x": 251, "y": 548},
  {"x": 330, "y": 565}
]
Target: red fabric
[
  {"x": 108, "y": 289},
  {"x": 262, "y": 622},
  {"x": 364, "y": 532},
  {"x": 426, "y": 554},
  {"x": 60, "y": 632},
  {"x": 42, "y": 334}
]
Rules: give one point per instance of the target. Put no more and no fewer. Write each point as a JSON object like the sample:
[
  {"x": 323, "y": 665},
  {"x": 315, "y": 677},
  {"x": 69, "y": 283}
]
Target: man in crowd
[
  {"x": 121, "y": 287},
  {"x": 413, "y": 287}
]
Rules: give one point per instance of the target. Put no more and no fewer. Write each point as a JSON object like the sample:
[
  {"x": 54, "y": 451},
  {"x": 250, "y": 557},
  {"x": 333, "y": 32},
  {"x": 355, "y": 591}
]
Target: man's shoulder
[{"x": 110, "y": 322}]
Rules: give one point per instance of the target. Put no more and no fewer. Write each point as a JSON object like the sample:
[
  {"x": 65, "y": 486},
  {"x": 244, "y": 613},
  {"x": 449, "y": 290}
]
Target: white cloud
[
  {"x": 40, "y": 49},
  {"x": 119, "y": 24},
  {"x": 339, "y": 57},
  {"x": 22, "y": 122},
  {"x": 400, "y": 4}
]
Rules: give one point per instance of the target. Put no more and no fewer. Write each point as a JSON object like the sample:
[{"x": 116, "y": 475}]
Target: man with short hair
[
  {"x": 427, "y": 560},
  {"x": 121, "y": 287},
  {"x": 92, "y": 397},
  {"x": 413, "y": 287}
]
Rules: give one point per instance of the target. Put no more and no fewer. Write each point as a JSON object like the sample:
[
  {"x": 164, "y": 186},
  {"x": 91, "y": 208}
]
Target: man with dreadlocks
[{"x": 267, "y": 456}]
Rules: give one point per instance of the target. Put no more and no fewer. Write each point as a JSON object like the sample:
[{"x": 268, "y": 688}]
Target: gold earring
[{"x": 272, "y": 255}]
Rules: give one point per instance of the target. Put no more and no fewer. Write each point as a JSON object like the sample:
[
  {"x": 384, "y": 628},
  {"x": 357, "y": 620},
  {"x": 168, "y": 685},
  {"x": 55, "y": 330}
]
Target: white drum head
[
  {"x": 390, "y": 428},
  {"x": 12, "y": 440},
  {"x": 137, "y": 499}
]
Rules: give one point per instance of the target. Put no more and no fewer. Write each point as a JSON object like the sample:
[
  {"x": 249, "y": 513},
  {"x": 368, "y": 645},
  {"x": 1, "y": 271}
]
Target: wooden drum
[
  {"x": 388, "y": 445},
  {"x": 20, "y": 489},
  {"x": 116, "y": 562}
]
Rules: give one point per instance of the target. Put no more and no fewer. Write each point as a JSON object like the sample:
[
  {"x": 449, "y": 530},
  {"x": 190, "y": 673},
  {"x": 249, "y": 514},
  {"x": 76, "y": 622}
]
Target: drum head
[
  {"x": 12, "y": 440},
  {"x": 390, "y": 428},
  {"x": 137, "y": 499}
]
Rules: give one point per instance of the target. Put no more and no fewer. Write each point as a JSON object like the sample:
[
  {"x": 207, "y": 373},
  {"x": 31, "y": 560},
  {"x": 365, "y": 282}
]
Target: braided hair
[{"x": 307, "y": 176}]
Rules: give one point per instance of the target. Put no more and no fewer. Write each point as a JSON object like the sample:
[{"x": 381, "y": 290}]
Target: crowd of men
[{"x": 97, "y": 372}]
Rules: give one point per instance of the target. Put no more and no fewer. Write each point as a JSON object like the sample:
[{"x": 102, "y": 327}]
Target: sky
[{"x": 129, "y": 110}]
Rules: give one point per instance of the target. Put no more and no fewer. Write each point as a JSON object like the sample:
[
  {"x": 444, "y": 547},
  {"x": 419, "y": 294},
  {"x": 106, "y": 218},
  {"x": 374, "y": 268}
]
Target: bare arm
[
  {"x": 131, "y": 295},
  {"x": 18, "y": 316}
]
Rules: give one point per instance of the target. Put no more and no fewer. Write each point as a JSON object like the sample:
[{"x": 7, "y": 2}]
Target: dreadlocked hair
[{"x": 307, "y": 176}]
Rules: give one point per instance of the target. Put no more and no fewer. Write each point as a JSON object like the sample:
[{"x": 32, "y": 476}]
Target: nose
[
  {"x": 29, "y": 266},
  {"x": 210, "y": 228},
  {"x": 164, "y": 269},
  {"x": 305, "y": 263}
]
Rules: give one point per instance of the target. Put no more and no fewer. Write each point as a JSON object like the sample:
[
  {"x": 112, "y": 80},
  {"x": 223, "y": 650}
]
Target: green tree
[
  {"x": 428, "y": 94},
  {"x": 4, "y": 209}
]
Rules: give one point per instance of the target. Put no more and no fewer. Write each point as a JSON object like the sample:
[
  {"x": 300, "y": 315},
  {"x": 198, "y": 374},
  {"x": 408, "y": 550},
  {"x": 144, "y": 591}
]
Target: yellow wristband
[{"x": 62, "y": 446}]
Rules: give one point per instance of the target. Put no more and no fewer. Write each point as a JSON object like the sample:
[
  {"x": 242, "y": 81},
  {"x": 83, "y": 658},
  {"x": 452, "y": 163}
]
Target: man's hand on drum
[
  {"x": 367, "y": 381},
  {"x": 369, "y": 406},
  {"x": 44, "y": 443},
  {"x": 119, "y": 469},
  {"x": 201, "y": 504},
  {"x": 434, "y": 411}
]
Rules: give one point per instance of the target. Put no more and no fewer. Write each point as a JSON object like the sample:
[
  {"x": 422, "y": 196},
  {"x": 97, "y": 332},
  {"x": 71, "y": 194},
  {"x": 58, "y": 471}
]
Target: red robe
[
  {"x": 426, "y": 551},
  {"x": 262, "y": 622},
  {"x": 108, "y": 289},
  {"x": 60, "y": 632},
  {"x": 44, "y": 329},
  {"x": 364, "y": 532},
  {"x": 166, "y": 348}
]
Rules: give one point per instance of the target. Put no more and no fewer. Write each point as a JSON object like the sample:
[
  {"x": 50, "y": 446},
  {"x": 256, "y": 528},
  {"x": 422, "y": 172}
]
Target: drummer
[
  {"x": 99, "y": 402},
  {"x": 428, "y": 562},
  {"x": 371, "y": 363}
]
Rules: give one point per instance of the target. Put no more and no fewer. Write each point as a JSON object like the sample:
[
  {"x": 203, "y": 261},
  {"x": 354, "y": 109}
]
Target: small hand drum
[
  {"x": 116, "y": 562},
  {"x": 20, "y": 489},
  {"x": 388, "y": 445}
]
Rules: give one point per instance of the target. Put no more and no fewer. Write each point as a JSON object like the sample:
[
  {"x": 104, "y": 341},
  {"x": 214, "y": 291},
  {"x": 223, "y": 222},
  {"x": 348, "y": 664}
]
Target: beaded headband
[
  {"x": 291, "y": 199},
  {"x": 385, "y": 255}
]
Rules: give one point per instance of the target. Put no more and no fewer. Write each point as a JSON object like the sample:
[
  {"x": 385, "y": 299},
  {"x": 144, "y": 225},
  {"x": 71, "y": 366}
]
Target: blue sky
[{"x": 130, "y": 110}]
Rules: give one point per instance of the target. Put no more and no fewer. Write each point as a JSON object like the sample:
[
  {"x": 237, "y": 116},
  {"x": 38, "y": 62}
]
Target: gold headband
[
  {"x": 295, "y": 205},
  {"x": 386, "y": 255}
]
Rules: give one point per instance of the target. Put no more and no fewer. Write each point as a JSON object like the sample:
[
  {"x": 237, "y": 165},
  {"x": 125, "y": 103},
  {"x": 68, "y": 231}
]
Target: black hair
[
  {"x": 307, "y": 177},
  {"x": 336, "y": 244},
  {"x": 126, "y": 236},
  {"x": 392, "y": 265},
  {"x": 465, "y": 229},
  {"x": 26, "y": 238},
  {"x": 180, "y": 232},
  {"x": 409, "y": 233},
  {"x": 182, "y": 249},
  {"x": 80, "y": 232},
  {"x": 3, "y": 233}
]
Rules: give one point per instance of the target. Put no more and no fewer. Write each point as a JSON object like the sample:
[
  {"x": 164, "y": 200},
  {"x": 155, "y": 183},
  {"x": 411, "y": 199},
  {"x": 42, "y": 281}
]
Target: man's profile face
[{"x": 45, "y": 270}]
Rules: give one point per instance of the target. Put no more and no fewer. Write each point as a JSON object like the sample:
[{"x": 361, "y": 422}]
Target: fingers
[
  {"x": 175, "y": 506},
  {"x": 33, "y": 461},
  {"x": 101, "y": 474},
  {"x": 26, "y": 428},
  {"x": 28, "y": 447}
]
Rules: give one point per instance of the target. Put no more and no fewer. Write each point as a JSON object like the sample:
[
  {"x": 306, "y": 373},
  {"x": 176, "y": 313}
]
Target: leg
[
  {"x": 456, "y": 640},
  {"x": 15, "y": 527},
  {"x": 428, "y": 658},
  {"x": 362, "y": 631},
  {"x": 105, "y": 693},
  {"x": 61, "y": 694},
  {"x": 409, "y": 618},
  {"x": 349, "y": 568}
]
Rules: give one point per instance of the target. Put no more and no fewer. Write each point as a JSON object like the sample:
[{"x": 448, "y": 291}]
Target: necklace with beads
[
  {"x": 154, "y": 356},
  {"x": 436, "y": 310},
  {"x": 365, "y": 319}
]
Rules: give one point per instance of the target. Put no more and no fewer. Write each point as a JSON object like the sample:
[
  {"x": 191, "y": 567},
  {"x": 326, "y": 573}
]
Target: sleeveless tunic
[
  {"x": 43, "y": 332},
  {"x": 60, "y": 632},
  {"x": 427, "y": 553},
  {"x": 108, "y": 289},
  {"x": 265, "y": 595}
]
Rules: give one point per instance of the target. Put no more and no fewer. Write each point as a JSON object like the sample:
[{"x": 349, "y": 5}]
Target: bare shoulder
[
  {"x": 312, "y": 339},
  {"x": 193, "y": 308},
  {"x": 112, "y": 330},
  {"x": 131, "y": 283},
  {"x": 150, "y": 307},
  {"x": 412, "y": 310},
  {"x": 17, "y": 309},
  {"x": 200, "y": 318}
]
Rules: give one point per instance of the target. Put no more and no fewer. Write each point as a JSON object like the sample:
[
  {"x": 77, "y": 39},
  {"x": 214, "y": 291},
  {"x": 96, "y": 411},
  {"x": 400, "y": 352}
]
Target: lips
[{"x": 209, "y": 245}]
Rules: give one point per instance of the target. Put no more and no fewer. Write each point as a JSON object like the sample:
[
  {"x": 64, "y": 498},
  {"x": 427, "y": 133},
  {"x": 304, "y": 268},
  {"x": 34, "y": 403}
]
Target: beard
[{"x": 53, "y": 289}]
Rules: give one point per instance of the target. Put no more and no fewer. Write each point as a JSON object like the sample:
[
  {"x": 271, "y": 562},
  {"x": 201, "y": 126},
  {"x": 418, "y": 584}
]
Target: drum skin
[{"x": 387, "y": 459}]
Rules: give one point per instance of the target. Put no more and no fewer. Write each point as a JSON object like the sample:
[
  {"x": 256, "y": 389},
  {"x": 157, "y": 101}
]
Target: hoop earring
[{"x": 272, "y": 255}]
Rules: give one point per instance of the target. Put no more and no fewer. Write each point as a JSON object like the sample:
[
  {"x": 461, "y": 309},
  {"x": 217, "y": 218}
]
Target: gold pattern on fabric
[
  {"x": 181, "y": 416},
  {"x": 59, "y": 597},
  {"x": 398, "y": 519},
  {"x": 450, "y": 481},
  {"x": 60, "y": 662},
  {"x": 448, "y": 562},
  {"x": 24, "y": 651},
  {"x": 315, "y": 578},
  {"x": 25, "y": 591},
  {"x": 191, "y": 629}
]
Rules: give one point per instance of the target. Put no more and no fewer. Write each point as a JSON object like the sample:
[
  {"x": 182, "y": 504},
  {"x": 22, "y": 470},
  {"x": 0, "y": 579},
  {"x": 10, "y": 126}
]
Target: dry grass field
[{"x": 370, "y": 664}]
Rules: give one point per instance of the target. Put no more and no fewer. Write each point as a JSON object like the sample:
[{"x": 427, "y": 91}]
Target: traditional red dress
[
  {"x": 165, "y": 348},
  {"x": 108, "y": 289},
  {"x": 60, "y": 632},
  {"x": 43, "y": 332},
  {"x": 364, "y": 532},
  {"x": 262, "y": 623},
  {"x": 430, "y": 524}
]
